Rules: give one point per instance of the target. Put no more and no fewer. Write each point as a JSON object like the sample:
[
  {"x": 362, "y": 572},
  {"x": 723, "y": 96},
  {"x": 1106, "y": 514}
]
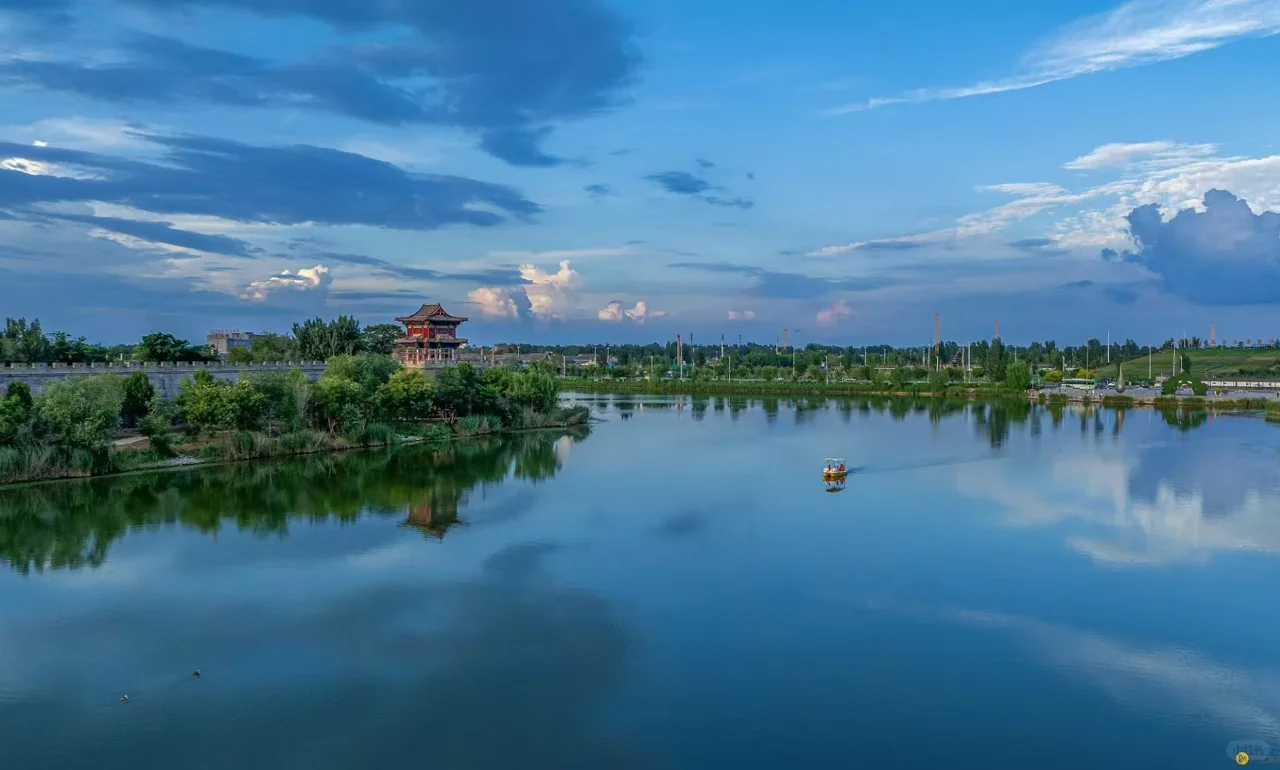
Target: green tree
[
  {"x": 321, "y": 340},
  {"x": 203, "y": 403},
  {"x": 337, "y": 403},
  {"x": 246, "y": 405},
  {"x": 380, "y": 338},
  {"x": 20, "y": 392},
  {"x": 995, "y": 362},
  {"x": 1053, "y": 376},
  {"x": 535, "y": 390},
  {"x": 898, "y": 378},
  {"x": 156, "y": 426},
  {"x": 138, "y": 393},
  {"x": 406, "y": 396},
  {"x": 164, "y": 347},
  {"x": 938, "y": 380},
  {"x": 81, "y": 410},
  {"x": 1017, "y": 376},
  {"x": 368, "y": 370},
  {"x": 15, "y": 422}
]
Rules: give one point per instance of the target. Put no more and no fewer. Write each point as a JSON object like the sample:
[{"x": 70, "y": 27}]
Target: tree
[
  {"x": 81, "y": 410},
  {"x": 995, "y": 363},
  {"x": 138, "y": 393},
  {"x": 164, "y": 347},
  {"x": 337, "y": 403},
  {"x": 1017, "y": 376},
  {"x": 20, "y": 392},
  {"x": 536, "y": 390},
  {"x": 321, "y": 340},
  {"x": 203, "y": 403},
  {"x": 898, "y": 378},
  {"x": 938, "y": 380},
  {"x": 380, "y": 338},
  {"x": 368, "y": 370},
  {"x": 406, "y": 396},
  {"x": 1053, "y": 376}
]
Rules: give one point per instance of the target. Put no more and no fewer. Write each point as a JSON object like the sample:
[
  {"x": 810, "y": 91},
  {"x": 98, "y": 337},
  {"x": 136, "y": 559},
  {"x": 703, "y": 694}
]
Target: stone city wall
[{"x": 164, "y": 376}]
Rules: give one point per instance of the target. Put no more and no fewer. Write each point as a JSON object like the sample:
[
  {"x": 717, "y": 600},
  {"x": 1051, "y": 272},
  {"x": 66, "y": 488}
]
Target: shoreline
[
  {"x": 187, "y": 461},
  {"x": 763, "y": 390}
]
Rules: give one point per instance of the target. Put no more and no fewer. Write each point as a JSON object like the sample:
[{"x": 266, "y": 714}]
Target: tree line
[
  {"x": 26, "y": 342},
  {"x": 361, "y": 399}
]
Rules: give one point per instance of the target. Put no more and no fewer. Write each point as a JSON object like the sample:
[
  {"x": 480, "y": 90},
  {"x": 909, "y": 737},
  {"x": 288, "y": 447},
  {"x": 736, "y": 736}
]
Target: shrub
[
  {"x": 138, "y": 394},
  {"x": 81, "y": 410}
]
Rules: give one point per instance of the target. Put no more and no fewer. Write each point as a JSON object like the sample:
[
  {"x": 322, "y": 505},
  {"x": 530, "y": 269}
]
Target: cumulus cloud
[
  {"x": 542, "y": 295},
  {"x": 829, "y": 316},
  {"x": 614, "y": 311},
  {"x": 306, "y": 279},
  {"x": 1224, "y": 254},
  {"x": 511, "y": 304},
  {"x": 742, "y": 315}
]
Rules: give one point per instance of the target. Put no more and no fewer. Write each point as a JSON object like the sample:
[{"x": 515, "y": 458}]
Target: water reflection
[
  {"x": 73, "y": 524},
  {"x": 1150, "y": 503}
]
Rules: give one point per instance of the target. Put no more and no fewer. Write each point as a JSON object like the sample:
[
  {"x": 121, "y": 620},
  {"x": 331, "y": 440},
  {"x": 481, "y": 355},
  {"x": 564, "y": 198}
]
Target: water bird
[
  {"x": 196, "y": 673},
  {"x": 124, "y": 698}
]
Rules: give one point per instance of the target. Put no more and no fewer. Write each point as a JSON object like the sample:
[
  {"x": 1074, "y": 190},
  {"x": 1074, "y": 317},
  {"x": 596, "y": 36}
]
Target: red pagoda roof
[{"x": 431, "y": 313}]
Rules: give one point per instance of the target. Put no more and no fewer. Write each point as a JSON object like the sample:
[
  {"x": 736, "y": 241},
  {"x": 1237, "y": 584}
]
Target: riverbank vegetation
[
  {"x": 101, "y": 424},
  {"x": 73, "y": 524}
]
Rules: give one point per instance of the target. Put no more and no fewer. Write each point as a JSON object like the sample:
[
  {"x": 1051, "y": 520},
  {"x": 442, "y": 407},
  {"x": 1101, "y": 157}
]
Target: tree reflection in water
[{"x": 70, "y": 525}]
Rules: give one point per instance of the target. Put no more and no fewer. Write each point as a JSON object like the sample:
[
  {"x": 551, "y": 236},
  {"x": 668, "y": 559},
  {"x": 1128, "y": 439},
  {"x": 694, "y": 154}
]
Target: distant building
[
  {"x": 431, "y": 335},
  {"x": 222, "y": 341}
]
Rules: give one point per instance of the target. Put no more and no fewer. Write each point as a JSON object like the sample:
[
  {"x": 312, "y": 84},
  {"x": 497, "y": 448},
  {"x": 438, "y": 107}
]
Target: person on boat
[{"x": 841, "y": 468}]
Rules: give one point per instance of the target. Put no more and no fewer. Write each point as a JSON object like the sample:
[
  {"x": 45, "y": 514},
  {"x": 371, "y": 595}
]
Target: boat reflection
[{"x": 835, "y": 485}]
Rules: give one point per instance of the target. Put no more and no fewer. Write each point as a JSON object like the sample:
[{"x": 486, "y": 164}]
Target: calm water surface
[{"x": 993, "y": 588}]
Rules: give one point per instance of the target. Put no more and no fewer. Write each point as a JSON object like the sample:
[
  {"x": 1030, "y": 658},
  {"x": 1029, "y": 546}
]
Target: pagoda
[{"x": 431, "y": 335}]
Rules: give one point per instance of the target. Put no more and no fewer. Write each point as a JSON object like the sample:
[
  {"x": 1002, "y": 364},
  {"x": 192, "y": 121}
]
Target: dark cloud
[
  {"x": 598, "y": 190},
  {"x": 684, "y": 183},
  {"x": 740, "y": 203},
  {"x": 502, "y": 69},
  {"x": 771, "y": 284},
  {"x": 1045, "y": 246},
  {"x": 621, "y": 152},
  {"x": 281, "y": 185},
  {"x": 1223, "y": 255},
  {"x": 1077, "y": 285},
  {"x": 501, "y": 276},
  {"x": 680, "y": 182},
  {"x": 165, "y": 232},
  {"x": 703, "y": 163}
]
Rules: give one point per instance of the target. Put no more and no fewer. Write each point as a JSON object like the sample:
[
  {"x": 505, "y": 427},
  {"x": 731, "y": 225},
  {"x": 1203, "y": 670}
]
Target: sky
[{"x": 594, "y": 170}]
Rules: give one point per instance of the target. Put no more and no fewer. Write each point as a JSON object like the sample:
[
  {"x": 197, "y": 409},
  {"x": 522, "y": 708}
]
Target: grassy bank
[
  {"x": 920, "y": 390},
  {"x": 31, "y": 463},
  {"x": 788, "y": 388}
]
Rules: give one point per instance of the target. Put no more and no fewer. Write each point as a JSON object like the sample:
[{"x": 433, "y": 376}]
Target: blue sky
[{"x": 583, "y": 170}]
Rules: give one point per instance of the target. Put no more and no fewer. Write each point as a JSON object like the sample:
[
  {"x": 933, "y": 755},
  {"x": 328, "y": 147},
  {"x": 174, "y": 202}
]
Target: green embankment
[{"x": 1205, "y": 363}]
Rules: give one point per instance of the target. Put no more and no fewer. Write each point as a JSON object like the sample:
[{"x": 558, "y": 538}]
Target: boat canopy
[{"x": 834, "y": 460}]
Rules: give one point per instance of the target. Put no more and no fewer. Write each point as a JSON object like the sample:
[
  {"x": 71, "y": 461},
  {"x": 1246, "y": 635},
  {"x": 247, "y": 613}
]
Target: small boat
[{"x": 834, "y": 468}]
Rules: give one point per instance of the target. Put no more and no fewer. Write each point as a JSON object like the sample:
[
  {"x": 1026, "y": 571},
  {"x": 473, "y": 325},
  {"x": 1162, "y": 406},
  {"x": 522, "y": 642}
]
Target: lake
[{"x": 999, "y": 586}]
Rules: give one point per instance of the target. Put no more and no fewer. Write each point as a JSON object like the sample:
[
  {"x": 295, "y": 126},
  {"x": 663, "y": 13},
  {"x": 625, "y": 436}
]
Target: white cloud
[
  {"x": 305, "y": 279},
  {"x": 495, "y": 303},
  {"x": 615, "y": 312},
  {"x": 742, "y": 315},
  {"x": 1136, "y": 33},
  {"x": 832, "y": 315},
  {"x": 550, "y": 294},
  {"x": 41, "y": 168},
  {"x": 1172, "y": 175},
  {"x": 1176, "y": 681},
  {"x": 1160, "y": 154},
  {"x": 79, "y": 134}
]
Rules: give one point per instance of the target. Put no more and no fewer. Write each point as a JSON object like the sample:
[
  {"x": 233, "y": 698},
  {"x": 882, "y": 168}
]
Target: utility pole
[{"x": 1108, "y": 346}]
